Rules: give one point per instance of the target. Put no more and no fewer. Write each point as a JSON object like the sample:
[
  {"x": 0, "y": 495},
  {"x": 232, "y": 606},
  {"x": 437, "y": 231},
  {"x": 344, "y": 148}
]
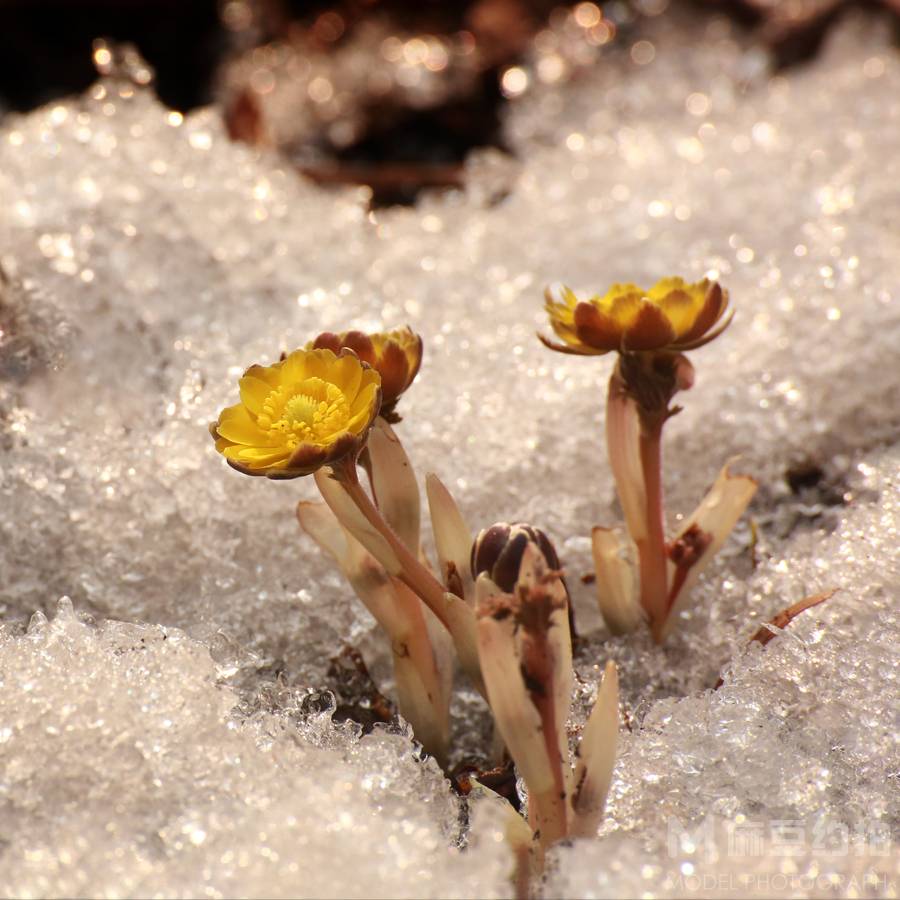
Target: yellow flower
[
  {"x": 396, "y": 356},
  {"x": 308, "y": 410},
  {"x": 672, "y": 315}
]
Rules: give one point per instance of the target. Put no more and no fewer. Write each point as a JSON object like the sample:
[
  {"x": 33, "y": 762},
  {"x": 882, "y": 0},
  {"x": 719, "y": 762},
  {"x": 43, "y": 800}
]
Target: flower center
[
  {"x": 310, "y": 411},
  {"x": 300, "y": 410}
]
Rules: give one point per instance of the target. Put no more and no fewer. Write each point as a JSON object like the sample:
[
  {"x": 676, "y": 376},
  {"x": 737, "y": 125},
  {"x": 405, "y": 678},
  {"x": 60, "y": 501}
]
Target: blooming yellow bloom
[
  {"x": 396, "y": 356},
  {"x": 672, "y": 315},
  {"x": 308, "y": 410}
]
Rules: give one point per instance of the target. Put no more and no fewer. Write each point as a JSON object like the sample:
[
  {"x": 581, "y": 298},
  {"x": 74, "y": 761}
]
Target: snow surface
[{"x": 148, "y": 261}]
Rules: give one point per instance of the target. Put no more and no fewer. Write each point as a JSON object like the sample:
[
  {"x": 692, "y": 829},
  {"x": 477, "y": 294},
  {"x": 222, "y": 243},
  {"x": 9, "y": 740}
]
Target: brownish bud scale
[{"x": 498, "y": 550}]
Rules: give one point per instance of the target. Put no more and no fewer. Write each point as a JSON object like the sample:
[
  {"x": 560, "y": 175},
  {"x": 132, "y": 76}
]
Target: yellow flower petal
[
  {"x": 254, "y": 392},
  {"x": 666, "y": 286},
  {"x": 615, "y": 292},
  {"x": 358, "y": 420},
  {"x": 293, "y": 367},
  {"x": 596, "y": 329},
  {"x": 257, "y": 455},
  {"x": 364, "y": 400},
  {"x": 268, "y": 374},
  {"x": 625, "y": 307},
  {"x": 681, "y": 309},
  {"x": 306, "y": 411},
  {"x": 320, "y": 364},
  {"x": 236, "y": 424},
  {"x": 347, "y": 375},
  {"x": 565, "y": 331},
  {"x": 714, "y": 304},
  {"x": 649, "y": 330},
  {"x": 673, "y": 315}
]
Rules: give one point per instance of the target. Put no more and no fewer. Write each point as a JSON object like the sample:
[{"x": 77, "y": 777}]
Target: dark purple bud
[{"x": 498, "y": 550}]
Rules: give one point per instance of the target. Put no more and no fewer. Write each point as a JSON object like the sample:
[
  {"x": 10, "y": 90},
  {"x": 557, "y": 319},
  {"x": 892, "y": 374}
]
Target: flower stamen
[{"x": 309, "y": 411}]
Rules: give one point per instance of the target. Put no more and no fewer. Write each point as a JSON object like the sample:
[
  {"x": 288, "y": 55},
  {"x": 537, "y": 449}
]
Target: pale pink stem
[
  {"x": 623, "y": 447},
  {"x": 414, "y": 574}
]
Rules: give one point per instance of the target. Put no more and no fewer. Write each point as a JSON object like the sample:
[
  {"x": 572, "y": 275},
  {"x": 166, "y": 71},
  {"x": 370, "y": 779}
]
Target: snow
[{"x": 148, "y": 261}]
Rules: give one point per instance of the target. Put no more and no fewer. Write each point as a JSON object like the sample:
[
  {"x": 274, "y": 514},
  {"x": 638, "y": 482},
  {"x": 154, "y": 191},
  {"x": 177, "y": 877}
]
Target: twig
[
  {"x": 781, "y": 620},
  {"x": 786, "y": 616}
]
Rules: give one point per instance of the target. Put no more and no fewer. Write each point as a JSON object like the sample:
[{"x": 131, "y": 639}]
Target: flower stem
[
  {"x": 452, "y": 612},
  {"x": 634, "y": 445},
  {"x": 640, "y": 390},
  {"x": 652, "y": 548}
]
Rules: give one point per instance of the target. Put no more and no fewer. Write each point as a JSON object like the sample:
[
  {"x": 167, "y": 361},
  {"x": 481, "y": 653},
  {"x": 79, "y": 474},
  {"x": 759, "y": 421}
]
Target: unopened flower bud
[
  {"x": 498, "y": 551},
  {"x": 396, "y": 356}
]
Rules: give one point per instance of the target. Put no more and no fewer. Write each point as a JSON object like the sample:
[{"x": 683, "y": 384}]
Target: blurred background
[{"x": 388, "y": 93}]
